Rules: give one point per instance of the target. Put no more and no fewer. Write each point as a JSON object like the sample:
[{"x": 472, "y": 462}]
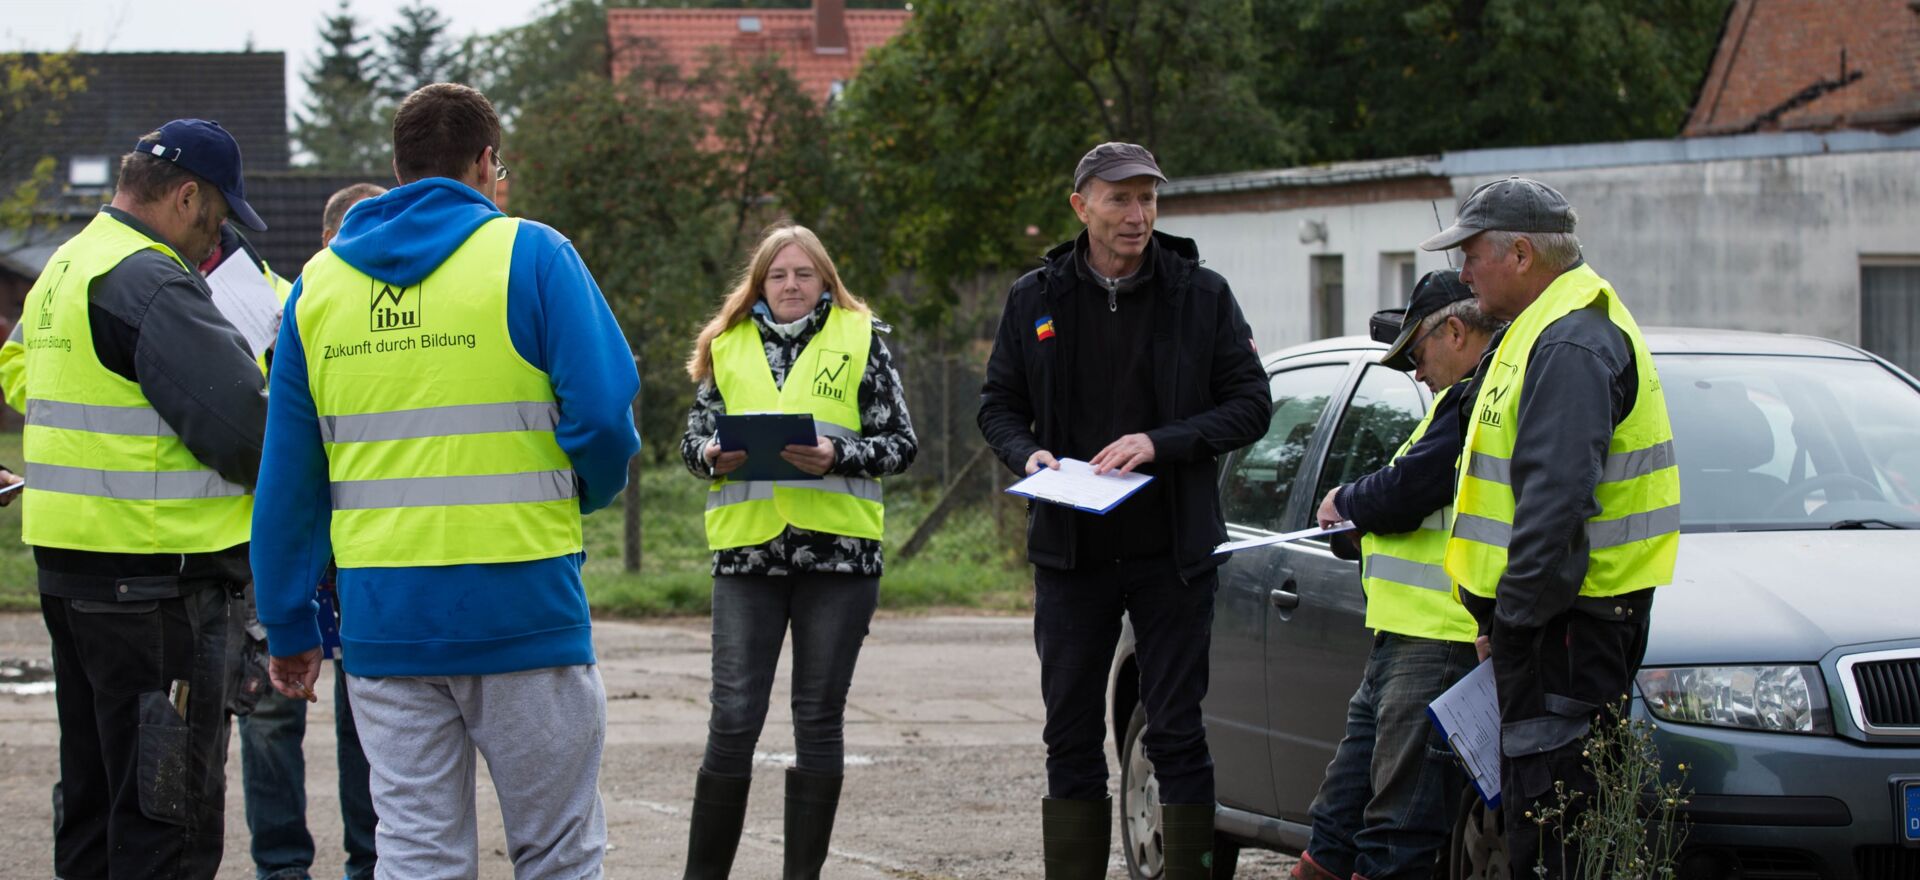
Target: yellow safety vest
[
  {"x": 1408, "y": 590},
  {"x": 104, "y": 472},
  {"x": 1633, "y": 540},
  {"x": 439, "y": 435},
  {"x": 824, "y": 382}
]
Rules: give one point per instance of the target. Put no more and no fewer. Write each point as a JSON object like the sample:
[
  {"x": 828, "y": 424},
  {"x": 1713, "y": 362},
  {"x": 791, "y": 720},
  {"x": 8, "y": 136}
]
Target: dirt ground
[{"x": 943, "y": 739}]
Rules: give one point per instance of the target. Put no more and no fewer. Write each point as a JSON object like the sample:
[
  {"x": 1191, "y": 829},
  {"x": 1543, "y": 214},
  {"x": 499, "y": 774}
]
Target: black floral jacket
[{"x": 886, "y": 446}]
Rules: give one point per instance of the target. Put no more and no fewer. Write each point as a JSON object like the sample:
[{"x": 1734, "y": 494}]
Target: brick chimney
[{"x": 830, "y": 27}]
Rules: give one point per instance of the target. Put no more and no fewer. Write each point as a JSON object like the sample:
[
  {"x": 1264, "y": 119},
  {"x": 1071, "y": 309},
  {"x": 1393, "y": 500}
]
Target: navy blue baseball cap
[
  {"x": 207, "y": 150},
  {"x": 1396, "y": 327}
]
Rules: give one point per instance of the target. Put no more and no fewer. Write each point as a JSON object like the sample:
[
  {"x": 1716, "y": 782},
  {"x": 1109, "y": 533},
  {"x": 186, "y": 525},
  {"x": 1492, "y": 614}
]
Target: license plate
[{"x": 1910, "y": 796}]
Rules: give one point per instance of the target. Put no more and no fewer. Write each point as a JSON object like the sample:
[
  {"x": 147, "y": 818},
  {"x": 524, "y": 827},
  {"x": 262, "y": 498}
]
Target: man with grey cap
[
  {"x": 1384, "y": 810},
  {"x": 145, "y": 417},
  {"x": 1121, "y": 350},
  {"x": 1567, "y": 513}
]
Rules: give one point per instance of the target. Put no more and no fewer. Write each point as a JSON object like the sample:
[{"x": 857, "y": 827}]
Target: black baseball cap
[
  {"x": 204, "y": 148},
  {"x": 1435, "y": 291},
  {"x": 1114, "y": 161},
  {"x": 1516, "y": 204}
]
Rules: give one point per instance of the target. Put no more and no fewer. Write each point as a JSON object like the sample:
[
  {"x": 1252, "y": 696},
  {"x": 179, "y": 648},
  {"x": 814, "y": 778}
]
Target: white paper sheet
[
  {"x": 1076, "y": 485},
  {"x": 1468, "y": 715},
  {"x": 247, "y": 301},
  {"x": 1334, "y": 529}
]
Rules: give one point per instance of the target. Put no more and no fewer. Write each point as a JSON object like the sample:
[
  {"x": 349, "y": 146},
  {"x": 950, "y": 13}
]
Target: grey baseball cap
[
  {"x": 1114, "y": 161},
  {"x": 1516, "y": 204}
]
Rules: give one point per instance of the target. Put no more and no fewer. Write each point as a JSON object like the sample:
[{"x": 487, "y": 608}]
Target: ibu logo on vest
[
  {"x": 394, "y": 308},
  {"x": 830, "y": 381}
]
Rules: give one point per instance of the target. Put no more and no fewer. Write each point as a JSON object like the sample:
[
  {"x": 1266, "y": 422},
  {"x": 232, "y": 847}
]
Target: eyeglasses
[
  {"x": 500, "y": 170},
  {"x": 1413, "y": 348}
]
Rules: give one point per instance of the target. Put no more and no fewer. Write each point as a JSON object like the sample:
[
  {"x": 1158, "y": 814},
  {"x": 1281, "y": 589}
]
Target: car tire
[
  {"x": 1140, "y": 812},
  {"x": 1479, "y": 845}
]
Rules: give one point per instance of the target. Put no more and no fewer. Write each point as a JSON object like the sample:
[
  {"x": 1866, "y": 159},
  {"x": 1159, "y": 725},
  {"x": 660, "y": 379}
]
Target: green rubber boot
[{"x": 1077, "y": 837}]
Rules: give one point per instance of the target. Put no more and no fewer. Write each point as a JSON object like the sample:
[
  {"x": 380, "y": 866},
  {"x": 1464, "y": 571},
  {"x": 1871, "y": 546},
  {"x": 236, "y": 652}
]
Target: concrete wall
[
  {"x": 1771, "y": 244},
  {"x": 1262, "y": 257}
]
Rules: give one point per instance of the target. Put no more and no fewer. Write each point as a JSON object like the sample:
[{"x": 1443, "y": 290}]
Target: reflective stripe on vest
[
  {"x": 824, "y": 382},
  {"x": 105, "y": 473},
  {"x": 1408, "y": 590},
  {"x": 439, "y": 435},
  {"x": 1634, "y": 539}
]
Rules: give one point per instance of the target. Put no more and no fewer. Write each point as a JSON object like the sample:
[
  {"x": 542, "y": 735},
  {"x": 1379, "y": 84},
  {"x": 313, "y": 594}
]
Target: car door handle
[{"x": 1285, "y": 598}]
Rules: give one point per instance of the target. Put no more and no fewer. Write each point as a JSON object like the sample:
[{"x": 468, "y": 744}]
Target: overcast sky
[{"x": 291, "y": 26}]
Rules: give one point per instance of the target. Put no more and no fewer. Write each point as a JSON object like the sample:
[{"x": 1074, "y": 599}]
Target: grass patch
[{"x": 969, "y": 564}]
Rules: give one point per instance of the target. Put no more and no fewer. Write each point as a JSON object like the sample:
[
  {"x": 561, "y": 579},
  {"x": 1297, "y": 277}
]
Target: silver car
[{"x": 1783, "y": 667}]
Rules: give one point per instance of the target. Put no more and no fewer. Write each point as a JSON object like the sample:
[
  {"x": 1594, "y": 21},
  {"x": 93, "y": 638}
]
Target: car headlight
[{"x": 1783, "y": 699}]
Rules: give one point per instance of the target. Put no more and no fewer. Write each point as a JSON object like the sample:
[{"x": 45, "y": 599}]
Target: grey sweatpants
[{"x": 541, "y": 732}]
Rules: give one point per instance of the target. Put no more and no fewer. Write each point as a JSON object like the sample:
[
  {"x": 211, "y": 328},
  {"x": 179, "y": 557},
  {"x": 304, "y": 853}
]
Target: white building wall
[
  {"x": 1771, "y": 243},
  {"x": 1262, "y": 257}
]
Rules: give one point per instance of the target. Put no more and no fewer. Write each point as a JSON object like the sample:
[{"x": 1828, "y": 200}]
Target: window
[
  {"x": 1396, "y": 279},
  {"x": 1890, "y": 312},
  {"x": 1329, "y": 299},
  {"x": 1385, "y": 408},
  {"x": 1260, "y": 478},
  {"x": 88, "y": 171}
]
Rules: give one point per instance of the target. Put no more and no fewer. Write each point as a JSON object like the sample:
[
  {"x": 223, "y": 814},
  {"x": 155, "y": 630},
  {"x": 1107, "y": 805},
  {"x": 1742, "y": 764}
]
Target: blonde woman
[{"x": 803, "y": 555}]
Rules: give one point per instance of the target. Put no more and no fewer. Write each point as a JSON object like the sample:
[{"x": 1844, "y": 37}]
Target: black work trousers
[
  {"x": 1076, "y": 627},
  {"x": 142, "y": 789},
  {"x": 1554, "y": 681}
]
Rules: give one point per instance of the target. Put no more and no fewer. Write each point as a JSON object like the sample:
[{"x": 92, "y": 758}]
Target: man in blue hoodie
[{"x": 451, "y": 394}]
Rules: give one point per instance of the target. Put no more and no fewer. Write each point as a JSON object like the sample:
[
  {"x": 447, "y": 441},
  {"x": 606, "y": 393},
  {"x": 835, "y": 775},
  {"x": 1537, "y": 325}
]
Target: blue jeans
[
  {"x": 829, "y": 615},
  {"x": 273, "y": 773},
  {"x": 1386, "y": 808}
]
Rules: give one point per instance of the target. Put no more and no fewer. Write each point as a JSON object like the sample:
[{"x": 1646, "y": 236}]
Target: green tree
[
  {"x": 1375, "y": 78},
  {"x": 521, "y": 67},
  {"x": 34, "y": 89},
  {"x": 418, "y": 52},
  {"x": 960, "y": 135},
  {"x": 344, "y": 126}
]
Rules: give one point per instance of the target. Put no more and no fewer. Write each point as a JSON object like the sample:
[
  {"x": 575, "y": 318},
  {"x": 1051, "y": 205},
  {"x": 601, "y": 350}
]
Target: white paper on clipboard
[
  {"x": 246, "y": 300},
  {"x": 1468, "y": 715}
]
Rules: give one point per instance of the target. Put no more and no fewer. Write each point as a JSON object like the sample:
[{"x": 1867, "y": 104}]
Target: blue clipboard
[{"x": 763, "y": 436}]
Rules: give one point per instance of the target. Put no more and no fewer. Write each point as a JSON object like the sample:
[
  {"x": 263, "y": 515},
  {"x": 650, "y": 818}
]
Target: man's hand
[
  {"x": 723, "y": 463},
  {"x": 1483, "y": 646},
  {"x": 1124, "y": 454},
  {"x": 1041, "y": 459},
  {"x": 1328, "y": 514},
  {"x": 294, "y": 676},
  {"x": 8, "y": 478},
  {"x": 813, "y": 459}
]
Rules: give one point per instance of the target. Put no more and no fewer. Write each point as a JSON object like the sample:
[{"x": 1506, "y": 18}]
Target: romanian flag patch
[{"x": 1043, "y": 328}]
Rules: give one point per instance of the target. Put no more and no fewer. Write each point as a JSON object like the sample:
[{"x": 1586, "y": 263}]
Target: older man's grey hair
[
  {"x": 1468, "y": 311},
  {"x": 1555, "y": 250}
]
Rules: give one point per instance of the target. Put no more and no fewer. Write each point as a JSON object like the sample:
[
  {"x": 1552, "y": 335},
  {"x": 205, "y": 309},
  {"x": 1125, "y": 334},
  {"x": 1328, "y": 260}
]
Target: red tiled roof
[
  {"x": 681, "y": 37},
  {"x": 1779, "y": 67}
]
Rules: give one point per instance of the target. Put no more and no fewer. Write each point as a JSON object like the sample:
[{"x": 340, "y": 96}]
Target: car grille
[
  {"x": 1884, "y": 690},
  {"x": 1886, "y": 863}
]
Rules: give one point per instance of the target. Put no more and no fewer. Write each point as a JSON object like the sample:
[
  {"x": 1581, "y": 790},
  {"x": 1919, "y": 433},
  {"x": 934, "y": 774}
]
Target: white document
[
  {"x": 1250, "y": 543},
  {"x": 1468, "y": 715},
  {"x": 1076, "y": 485},
  {"x": 246, "y": 300}
]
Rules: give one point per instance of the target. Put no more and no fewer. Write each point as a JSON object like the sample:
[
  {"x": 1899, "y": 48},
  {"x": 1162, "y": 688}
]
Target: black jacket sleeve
[
  {"x": 1242, "y": 406},
  {"x": 1006, "y": 415},
  {"x": 887, "y": 444},
  {"x": 1578, "y": 386},
  {"x": 1398, "y": 497}
]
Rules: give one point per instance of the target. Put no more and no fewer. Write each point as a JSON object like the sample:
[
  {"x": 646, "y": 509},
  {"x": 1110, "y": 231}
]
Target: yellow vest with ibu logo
[
  {"x": 1634, "y": 539},
  {"x": 1408, "y": 590},
  {"x": 823, "y": 382},
  {"x": 439, "y": 435},
  {"x": 104, "y": 472}
]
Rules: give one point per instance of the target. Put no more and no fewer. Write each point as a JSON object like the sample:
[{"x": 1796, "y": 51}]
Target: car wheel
[
  {"x": 1479, "y": 842},
  {"x": 1139, "y": 803}
]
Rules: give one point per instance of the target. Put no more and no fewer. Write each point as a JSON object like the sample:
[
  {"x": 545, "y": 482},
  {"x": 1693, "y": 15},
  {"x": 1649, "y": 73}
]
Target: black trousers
[
  {"x": 1553, "y": 682},
  {"x": 1076, "y": 627},
  {"x": 142, "y": 789}
]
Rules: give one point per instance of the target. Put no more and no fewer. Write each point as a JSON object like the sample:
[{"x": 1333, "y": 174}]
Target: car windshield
[{"x": 1783, "y": 443}]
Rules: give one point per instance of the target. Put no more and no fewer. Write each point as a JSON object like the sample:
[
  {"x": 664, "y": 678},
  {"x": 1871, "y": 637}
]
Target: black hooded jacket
[{"x": 1209, "y": 387}]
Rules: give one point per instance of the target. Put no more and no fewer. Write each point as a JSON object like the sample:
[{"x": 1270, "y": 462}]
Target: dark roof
[
  {"x": 291, "y": 202},
  {"x": 131, "y": 93}
]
